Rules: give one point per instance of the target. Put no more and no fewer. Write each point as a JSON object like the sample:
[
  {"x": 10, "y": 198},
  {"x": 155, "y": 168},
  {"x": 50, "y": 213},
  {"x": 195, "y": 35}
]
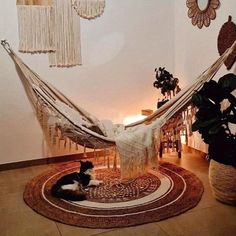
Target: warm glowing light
[
  {"x": 183, "y": 137},
  {"x": 130, "y": 119}
]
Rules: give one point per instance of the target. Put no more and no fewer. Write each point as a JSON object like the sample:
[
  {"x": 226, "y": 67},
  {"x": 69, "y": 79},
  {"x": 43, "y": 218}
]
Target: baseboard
[
  {"x": 74, "y": 157},
  {"x": 188, "y": 149},
  {"x": 49, "y": 160}
]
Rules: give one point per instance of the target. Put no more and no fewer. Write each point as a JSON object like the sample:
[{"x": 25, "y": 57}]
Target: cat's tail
[{"x": 67, "y": 194}]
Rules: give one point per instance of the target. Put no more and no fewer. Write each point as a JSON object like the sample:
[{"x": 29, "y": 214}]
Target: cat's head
[{"x": 85, "y": 165}]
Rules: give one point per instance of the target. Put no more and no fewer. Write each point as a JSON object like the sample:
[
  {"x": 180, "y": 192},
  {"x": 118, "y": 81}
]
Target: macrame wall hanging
[
  {"x": 66, "y": 35},
  {"x": 35, "y": 24},
  {"x": 54, "y": 26},
  {"x": 89, "y": 9}
]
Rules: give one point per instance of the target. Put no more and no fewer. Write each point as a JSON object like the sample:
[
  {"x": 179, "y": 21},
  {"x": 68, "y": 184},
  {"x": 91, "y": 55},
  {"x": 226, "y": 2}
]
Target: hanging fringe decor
[
  {"x": 89, "y": 9},
  {"x": 35, "y": 26},
  {"x": 66, "y": 36}
]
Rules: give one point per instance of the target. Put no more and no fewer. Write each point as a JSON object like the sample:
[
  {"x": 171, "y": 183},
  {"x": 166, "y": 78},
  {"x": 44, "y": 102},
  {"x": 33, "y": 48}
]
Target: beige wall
[
  {"x": 196, "y": 49},
  {"x": 120, "y": 51}
]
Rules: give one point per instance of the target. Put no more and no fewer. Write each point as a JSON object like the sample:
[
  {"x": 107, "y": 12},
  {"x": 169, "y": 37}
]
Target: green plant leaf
[
  {"x": 197, "y": 125},
  {"x": 197, "y": 99},
  {"x": 215, "y": 129},
  {"x": 228, "y": 82},
  {"x": 231, "y": 119},
  {"x": 209, "y": 139},
  {"x": 211, "y": 121},
  {"x": 232, "y": 99}
]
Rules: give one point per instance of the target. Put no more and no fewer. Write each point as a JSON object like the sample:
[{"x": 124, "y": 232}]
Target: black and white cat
[{"x": 69, "y": 187}]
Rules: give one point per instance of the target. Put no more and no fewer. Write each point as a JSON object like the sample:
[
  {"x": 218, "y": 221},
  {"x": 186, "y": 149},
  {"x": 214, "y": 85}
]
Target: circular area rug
[{"x": 163, "y": 192}]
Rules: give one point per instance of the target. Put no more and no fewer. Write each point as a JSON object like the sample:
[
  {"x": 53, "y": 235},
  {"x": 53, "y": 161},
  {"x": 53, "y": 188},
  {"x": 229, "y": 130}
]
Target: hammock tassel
[
  {"x": 85, "y": 153},
  {"x": 76, "y": 145},
  {"x": 115, "y": 158},
  {"x": 70, "y": 145},
  {"x": 65, "y": 143},
  {"x": 53, "y": 141}
]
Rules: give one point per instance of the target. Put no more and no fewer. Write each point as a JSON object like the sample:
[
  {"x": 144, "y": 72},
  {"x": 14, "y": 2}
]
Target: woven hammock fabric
[
  {"x": 135, "y": 145},
  {"x": 89, "y": 9}
]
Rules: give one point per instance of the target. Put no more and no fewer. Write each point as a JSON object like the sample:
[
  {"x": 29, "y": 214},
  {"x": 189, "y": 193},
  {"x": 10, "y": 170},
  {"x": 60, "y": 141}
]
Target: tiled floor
[{"x": 209, "y": 217}]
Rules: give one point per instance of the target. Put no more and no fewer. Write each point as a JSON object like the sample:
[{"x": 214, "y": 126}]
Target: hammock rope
[{"x": 136, "y": 143}]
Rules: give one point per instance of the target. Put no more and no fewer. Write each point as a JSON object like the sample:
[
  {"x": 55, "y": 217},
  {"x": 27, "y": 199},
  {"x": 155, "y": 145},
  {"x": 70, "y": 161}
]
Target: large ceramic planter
[{"x": 223, "y": 181}]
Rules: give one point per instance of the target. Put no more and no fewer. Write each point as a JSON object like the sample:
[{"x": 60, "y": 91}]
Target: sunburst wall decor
[{"x": 202, "y": 17}]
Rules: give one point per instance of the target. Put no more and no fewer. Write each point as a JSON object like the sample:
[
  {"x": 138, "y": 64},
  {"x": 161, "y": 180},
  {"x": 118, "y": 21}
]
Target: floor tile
[
  {"x": 26, "y": 223},
  {"x": 67, "y": 230},
  {"x": 209, "y": 220},
  {"x": 209, "y": 217},
  {"x": 146, "y": 229}
]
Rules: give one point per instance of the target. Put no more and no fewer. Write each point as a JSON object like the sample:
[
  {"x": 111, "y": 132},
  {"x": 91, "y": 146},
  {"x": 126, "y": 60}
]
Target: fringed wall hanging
[
  {"x": 66, "y": 36},
  {"x": 89, "y": 9},
  {"x": 54, "y": 26},
  {"x": 35, "y": 25},
  {"x": 226, "y": 37}
]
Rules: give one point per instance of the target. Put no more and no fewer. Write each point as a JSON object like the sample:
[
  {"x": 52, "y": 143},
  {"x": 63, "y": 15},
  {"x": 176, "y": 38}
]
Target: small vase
[{"x": 223, "y": 182}]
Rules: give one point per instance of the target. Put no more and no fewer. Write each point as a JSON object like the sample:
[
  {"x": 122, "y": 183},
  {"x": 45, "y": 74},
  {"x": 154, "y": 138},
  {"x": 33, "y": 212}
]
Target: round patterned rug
[{"x": 163, "y": 192}]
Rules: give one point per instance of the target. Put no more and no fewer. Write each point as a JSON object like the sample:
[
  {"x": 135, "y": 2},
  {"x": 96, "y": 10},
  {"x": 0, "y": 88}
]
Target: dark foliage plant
[
  {"x": 166, "y": 82},
  {"x": 212, "y": 121}
]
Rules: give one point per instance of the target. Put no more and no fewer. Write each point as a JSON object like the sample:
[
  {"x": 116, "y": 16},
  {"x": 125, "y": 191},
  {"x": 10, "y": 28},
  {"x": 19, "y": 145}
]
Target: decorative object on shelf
[
  {"x": 202, "y": 11},
  {"x": 226, "y": 37},
  {"x": 35, "y": 26},
  {"x": 146, "y": 112},
  {"x": 89, "y": 9},
  {"x": 214, "y": 122},
  {"x": 66, "y": 36}
]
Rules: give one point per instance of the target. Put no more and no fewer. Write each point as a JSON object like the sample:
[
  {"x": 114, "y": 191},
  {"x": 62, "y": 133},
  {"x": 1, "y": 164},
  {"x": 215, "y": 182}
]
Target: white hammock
[{"x": 136, "y": 143}]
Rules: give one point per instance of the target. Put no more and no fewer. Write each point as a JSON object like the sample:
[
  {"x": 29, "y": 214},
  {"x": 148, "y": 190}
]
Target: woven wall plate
[
  {"x": 226, "y": 37},
  {"x": 89, "y": 9},
  {"x": 202, "y": 17}
]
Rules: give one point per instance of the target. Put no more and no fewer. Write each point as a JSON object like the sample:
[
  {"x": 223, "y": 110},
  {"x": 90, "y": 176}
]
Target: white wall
[
  {"x": 119, "y": 50},
  {"x": 196, "y": 49}
]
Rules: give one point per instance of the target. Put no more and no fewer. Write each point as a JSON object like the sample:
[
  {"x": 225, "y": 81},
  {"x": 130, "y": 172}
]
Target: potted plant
[
  {"x": 167, "y": 83},
  {"x": 214, "y": 122}
]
